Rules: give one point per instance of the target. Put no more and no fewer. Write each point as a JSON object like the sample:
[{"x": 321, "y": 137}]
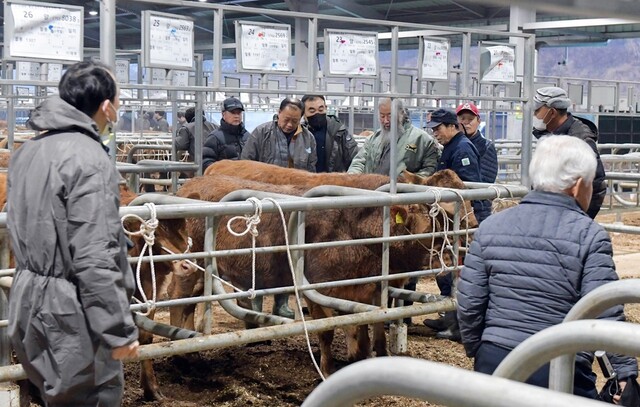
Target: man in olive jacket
[
  {"x": 334, "y": 145},
  {"x": 417, "y": 152}
]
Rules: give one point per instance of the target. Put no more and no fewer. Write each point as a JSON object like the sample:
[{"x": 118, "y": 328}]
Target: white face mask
[{"x": 539, "y": 124}]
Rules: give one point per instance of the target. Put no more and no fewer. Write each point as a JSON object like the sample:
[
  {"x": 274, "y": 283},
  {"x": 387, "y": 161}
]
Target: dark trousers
[
  {"x": 490, "y": 355},
  {"x": 445, "y": 283}
]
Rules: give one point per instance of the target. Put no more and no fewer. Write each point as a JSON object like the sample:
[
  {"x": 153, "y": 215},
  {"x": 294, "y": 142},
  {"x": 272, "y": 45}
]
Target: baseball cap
[
  {"x": 232, "y": 104},
  {"x": 442, "y": 116},
  {"x": 470, "y": 107},
  {"x": 551, "y": 96}
]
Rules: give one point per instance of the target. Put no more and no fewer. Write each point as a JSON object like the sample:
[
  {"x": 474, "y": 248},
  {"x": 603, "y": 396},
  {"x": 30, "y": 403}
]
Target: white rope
[
  {"x": 251, "y": 223},
  {"x": 500, "y": 204},
  {"x": 147, "y": 231}
]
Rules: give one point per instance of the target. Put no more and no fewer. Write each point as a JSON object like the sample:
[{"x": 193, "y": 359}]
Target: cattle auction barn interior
[{"x": 319, "y": 197}]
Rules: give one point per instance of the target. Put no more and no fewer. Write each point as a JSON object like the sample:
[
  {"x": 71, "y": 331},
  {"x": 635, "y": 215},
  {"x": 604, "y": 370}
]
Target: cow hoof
[{"x": 153, "y": 395}]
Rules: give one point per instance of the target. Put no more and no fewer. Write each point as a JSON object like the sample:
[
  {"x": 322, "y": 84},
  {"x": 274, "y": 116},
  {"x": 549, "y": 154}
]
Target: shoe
[
  {"x": 450, "y": 334},
  {"x": 435, "y": 324},
  {"x": 281, "y": 306}
]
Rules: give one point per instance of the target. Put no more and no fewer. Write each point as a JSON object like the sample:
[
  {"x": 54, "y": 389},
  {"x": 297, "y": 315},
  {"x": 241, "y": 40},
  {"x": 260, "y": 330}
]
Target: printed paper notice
[
  {"x": 50, "y": 33},
  {"x": 435, "y": 60},
  {"x": 265, "y": 48},
  {"x": 352, "y": 54},
  {"x": 170, "y": 42},
  {"x": 502, "y": 64}
]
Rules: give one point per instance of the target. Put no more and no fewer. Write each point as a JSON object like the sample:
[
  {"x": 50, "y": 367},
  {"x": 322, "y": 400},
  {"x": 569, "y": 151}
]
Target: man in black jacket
[
  {"x": 334, "y": 145},
  {"x": 469, "y": 119},
  {"x": 227, "y": 141},
  {"x": 551, "y": 117}
]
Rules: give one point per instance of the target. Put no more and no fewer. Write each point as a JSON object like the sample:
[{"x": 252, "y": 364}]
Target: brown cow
[
  {"x": 320, "y": 265},
  {"x": 169, "y": 277}
]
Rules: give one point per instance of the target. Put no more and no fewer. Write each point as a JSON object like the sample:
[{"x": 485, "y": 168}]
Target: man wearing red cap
[{"x": 469, "y": 118}]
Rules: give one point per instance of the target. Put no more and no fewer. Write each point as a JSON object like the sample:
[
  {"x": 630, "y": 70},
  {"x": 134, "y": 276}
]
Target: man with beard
[
  {"x": 335, "y": 146},
  {"x": 227, "y": 141},
  {"x": 283, "y": 141},
  {"x": 417, "y": 151}
]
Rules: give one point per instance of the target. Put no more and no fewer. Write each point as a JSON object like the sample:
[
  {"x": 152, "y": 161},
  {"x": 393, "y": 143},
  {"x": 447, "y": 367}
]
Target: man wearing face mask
[
  {"x": 227, "y": 141},
  {"x": 417, "y": 152},
  {"x": 69, "y": 317},
  {"x": 283, "y": 141},
  {"x": 335, "y": 146},
  {"x": 550, "y": 106}
]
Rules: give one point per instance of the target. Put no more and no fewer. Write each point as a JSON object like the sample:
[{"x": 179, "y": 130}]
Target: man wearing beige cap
[{"x": 551, "y": 117}]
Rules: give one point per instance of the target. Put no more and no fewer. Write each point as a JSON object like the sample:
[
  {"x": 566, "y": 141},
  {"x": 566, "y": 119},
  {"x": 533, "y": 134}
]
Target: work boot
[
  {"x": 436, "y": 324},
  {"x": 452, "y": 331},
  {"x": 281, "y": 306}
]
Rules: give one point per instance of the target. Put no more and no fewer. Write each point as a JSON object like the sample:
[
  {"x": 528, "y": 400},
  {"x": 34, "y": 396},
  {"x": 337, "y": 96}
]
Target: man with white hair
[
  {"x": 417, "y": 152},
  {"x": 550, "y": 105},
  {"x": 530, "y": 264}
]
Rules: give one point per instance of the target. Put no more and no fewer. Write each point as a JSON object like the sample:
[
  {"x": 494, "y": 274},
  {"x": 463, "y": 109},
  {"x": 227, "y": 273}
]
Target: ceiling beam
[
  {"x": 592, "y": 8},
  {"x": 355, "y": 10},
  {"x": 476, "y": 10},
  {"x": 581, "y": 23}
]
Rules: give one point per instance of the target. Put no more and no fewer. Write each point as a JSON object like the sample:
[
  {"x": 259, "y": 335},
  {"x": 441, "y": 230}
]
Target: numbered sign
[
  {"x": 122, "y": 70},
  {"x": 497, "y": 62},
  {"x": 435, "y": 59},
  {"x": 263, "y": 48},
  {"x": 167, "y": 40},
  {"x": 351, "y": 53},
  {"x": 43, "y": 31}
]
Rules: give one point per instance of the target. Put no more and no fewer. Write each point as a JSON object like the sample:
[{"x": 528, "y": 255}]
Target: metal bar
[
  {"x": 568, "y": 338},
  {"x": 312, "y": 50},
  {"x": 218, "y": 27},
  {"x": 578, "y": 23},
  {"x": 591, "y": 305},
  {"x": 209, "y": 223},
  {"x": 436, "y": 382},
  {"x": 527, "y": 109},
  {"x": 108, "y": 51},
  {"x": 333, "y": 18},
  {"x": 466, "y": 65}
]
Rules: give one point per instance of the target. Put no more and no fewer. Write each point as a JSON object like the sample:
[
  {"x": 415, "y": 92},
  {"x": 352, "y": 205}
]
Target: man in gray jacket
[
  {"x": 283, "y": 141},
  {"x": 334, "y": 145},
  {"x": 529, "y": 265},
  {"x": 417, "y": 152},
  {"x": 69, "y": 318}
]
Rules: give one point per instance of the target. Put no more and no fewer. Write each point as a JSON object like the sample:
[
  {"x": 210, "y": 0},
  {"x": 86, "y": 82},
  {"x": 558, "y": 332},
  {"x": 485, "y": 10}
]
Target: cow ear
[
  {"x": 410, "y": 178},
  {"x": 398, "y": 215}
]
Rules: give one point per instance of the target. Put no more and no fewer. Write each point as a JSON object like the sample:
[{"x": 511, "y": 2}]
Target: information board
[
  {"x": 43, "y": 31},
  {"x": 351, "y": 53},
  {"x": 54, "y": 72},
  {"x": 435, "y": 59},
  {"x": 27, "y": 71},
  {"x": 167, "y": 40},
  {"x": 262, "y": 47},
  {"x": 179, "y": 78},
  {"x": 497, "y": 62},
  {"x": 122, "y": 70}
]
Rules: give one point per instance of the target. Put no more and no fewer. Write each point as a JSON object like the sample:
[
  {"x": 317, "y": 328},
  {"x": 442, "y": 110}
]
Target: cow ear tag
[{"x": 399, "y": 219}]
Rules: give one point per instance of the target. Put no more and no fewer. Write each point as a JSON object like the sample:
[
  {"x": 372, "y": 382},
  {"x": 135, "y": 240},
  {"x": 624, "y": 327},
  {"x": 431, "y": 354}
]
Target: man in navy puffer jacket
[{"x": 530, "y": 264}]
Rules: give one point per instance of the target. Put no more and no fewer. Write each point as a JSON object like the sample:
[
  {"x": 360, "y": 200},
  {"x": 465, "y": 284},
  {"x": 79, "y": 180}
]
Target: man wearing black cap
[
  {"x": 228, "y": 140},
  {"x": 185, "y": 139},
  {"x": 550, "y": 105},
  {"x": 460, "y": 156}
]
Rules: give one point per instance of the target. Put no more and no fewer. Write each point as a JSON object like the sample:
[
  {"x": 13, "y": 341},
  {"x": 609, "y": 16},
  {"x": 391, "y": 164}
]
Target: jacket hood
[{"x": 56, "y": 114}]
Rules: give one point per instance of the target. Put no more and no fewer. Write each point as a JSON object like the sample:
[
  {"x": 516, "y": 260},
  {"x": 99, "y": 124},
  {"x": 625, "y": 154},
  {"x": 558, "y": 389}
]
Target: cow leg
[
  {"x": 380, "y": 340},
  {"x": 187, "y": 281},
  {"x": 358, "y": 343},
  {"x": 148, "y": 379},
  {"x": 325, "y": 339}
]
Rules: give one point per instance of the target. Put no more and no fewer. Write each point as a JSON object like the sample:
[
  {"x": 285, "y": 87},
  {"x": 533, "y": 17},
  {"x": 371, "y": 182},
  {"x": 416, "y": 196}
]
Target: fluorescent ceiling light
[{"x": 93, "y": 13}]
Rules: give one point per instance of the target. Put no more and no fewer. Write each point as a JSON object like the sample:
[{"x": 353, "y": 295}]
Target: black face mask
[{"x": 318, "y": 121}]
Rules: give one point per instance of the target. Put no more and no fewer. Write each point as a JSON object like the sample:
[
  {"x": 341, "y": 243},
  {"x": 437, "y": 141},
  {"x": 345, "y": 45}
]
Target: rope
[
  {"x": 147, "y": 231},
  {"x": 251, "y": 227},
  {"x": 499, "y": 204}
]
